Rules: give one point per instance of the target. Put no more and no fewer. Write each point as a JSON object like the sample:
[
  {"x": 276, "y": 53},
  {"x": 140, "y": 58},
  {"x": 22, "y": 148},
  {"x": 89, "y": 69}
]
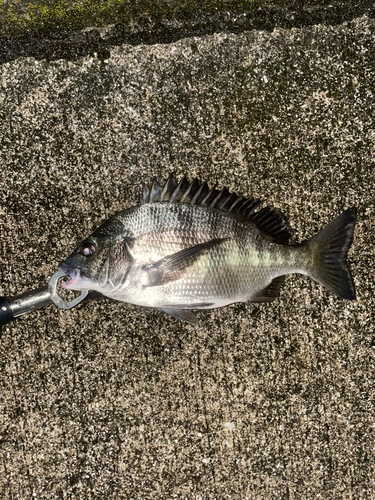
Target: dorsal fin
[
  {"x": 168, "y": 189},
  {"x": 155, "y": 191},
  {"x": 272, "y": 222},
  {"x": 268, "y": 220}
]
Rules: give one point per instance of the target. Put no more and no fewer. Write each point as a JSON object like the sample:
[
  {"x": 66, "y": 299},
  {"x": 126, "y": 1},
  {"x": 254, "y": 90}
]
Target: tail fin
[{"x": 330, "y": 248}]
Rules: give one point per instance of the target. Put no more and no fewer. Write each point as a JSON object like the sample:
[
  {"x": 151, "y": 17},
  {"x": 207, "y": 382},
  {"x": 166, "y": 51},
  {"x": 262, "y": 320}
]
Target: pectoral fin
[{"x": 173, "y": 267}]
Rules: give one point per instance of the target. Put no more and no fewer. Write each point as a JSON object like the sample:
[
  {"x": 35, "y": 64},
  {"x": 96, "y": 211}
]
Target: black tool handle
[
  {"x": 13, "y": 307},
  {"x": 6, "y": 313}
]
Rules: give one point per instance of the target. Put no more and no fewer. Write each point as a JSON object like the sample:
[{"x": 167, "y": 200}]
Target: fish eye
[{"x": 88, "y": 248}]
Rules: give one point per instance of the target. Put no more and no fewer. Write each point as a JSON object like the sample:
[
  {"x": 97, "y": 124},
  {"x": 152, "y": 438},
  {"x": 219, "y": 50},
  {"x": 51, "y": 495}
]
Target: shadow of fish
[{"x": 188, "y": 247}]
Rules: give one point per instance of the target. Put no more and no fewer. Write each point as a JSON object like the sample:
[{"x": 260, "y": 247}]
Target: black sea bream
[{"x": 187, "y": 246}]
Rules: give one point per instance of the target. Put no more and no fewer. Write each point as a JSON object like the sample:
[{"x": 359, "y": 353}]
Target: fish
[{"x": 187, "y": 247}]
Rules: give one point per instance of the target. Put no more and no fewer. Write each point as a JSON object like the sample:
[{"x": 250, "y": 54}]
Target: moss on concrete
[{"x": 17, "y": 16}]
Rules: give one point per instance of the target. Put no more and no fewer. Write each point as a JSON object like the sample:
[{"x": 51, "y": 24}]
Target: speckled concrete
[{"x": 270, "y": 401}]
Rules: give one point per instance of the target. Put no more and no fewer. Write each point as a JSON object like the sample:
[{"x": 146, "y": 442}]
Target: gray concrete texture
[{"x": 261, "y": 401}]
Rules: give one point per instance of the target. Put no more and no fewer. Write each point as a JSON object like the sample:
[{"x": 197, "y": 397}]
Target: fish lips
[{"x": 74, "y": 275}]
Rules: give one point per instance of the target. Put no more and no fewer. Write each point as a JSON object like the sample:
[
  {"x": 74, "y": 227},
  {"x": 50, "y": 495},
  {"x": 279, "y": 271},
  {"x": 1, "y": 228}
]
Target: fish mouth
[{"x": 74, "y": 275}]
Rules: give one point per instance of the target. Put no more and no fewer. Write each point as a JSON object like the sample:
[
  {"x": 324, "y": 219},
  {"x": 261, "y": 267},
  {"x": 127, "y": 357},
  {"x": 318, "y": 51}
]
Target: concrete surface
[{"x": 269, "y": 401}]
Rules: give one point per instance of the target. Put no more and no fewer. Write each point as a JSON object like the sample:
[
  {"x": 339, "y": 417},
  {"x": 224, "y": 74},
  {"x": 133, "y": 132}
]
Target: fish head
[{"x": 101, "y": 262}]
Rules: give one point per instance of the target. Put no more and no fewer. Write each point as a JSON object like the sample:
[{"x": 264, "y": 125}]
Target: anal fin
[{"x": 271, "y": 292}]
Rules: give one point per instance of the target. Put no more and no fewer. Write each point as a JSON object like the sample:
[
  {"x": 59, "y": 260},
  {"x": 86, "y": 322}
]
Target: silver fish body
[{"x": 190, "y": 247}]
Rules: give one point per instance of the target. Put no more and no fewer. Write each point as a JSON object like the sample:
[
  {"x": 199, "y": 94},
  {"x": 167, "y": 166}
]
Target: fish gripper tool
[{"x": 12, "y": 308}]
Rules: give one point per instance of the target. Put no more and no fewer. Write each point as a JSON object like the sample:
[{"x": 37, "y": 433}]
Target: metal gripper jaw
[{"x": 12, "y": 308}]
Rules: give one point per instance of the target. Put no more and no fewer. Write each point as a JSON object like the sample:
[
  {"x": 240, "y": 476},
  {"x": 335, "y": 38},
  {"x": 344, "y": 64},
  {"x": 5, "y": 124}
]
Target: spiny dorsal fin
[
  {"x": 269, "y": 220},
  {"x": 168, "y": 189},
  {"x": 155, "y": 191}
]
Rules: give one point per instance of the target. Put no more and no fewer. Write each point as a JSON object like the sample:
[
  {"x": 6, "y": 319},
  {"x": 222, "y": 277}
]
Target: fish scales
[
  {"x": 228, "y": 272},
  {"x": 204, "y": 249}
]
